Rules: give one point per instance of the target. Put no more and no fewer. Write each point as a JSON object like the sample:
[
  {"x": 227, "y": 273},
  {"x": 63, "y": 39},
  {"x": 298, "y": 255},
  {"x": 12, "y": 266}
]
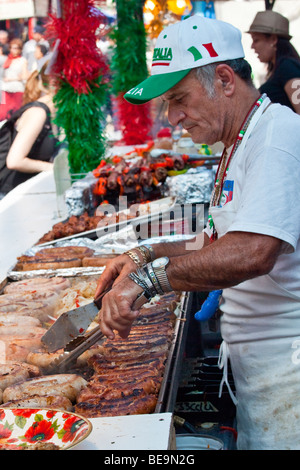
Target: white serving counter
[
  {"x": 137, "y": 432},
  {"x": 26, "y": 214}
]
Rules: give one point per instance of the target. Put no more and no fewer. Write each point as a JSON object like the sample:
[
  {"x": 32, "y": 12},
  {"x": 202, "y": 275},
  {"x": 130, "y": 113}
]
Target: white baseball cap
[{"x": 190, "y": 43}]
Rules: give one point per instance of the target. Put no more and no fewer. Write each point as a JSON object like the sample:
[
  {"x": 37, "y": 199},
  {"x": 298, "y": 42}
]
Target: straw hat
[{"x": 270, "y": 22}]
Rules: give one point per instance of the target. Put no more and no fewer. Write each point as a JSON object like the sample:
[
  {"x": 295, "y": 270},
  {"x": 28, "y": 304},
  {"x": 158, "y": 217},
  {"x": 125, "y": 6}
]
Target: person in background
[
  {"x": 3, "y": 57},
  {"x": 42, "y": 55},
  {"x": 4, "y": 40},
  {"x": 34, "y": 144},
  {"x": 30, "y": 46},
  {"x": 250, "y": 247},
  {"x": 14, "y": 78},
  {"x": 271, "y": 41}
]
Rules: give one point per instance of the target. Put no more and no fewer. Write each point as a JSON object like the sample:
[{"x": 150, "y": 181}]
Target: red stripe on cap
[
  {"x": 160, "y": 63},
  {"x": 210, "y": 49}
]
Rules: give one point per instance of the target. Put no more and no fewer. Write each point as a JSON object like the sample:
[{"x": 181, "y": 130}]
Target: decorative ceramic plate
[{"x": 41, "y": 429}]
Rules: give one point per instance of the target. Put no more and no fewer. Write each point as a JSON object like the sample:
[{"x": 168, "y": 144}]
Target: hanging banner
[{"x": 11, "y": 9}]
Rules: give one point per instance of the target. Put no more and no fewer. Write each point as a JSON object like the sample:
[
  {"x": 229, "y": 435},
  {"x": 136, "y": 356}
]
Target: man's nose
[{"x": 175, "y": 115}]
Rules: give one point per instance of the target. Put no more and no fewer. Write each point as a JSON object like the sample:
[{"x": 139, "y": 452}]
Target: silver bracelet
[
  {"x": 144, "y": 277},
  {"x": 138, "y": 281},
  {"x": 153, "y": 278},
  {"x": 151, "y": 251}
]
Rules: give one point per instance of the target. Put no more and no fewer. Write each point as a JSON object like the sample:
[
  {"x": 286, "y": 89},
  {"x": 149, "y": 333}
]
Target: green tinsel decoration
[
  {"x": 128, "y": 63},
  {"x": 80, "y": 116},
  {"x": 129, "y": 67}
]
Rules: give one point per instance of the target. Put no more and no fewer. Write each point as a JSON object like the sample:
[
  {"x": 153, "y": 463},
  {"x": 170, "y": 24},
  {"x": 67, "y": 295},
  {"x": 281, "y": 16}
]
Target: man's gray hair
[{"x": 206, "y": 74}]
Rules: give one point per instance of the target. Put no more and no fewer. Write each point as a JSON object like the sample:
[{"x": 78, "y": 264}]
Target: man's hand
[
  {"x": 116, "y": 312},
  {"x": 116, "y": 270}
]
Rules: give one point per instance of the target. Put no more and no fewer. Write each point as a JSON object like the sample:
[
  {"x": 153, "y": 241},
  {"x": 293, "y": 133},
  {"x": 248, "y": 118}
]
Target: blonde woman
[{"x": 34, "y": 145}]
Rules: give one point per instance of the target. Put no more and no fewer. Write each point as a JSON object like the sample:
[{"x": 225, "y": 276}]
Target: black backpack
[{"x": 7, "y": 135}]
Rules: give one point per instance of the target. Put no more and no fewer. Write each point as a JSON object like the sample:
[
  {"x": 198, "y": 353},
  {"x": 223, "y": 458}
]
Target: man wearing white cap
[{"x": 250, "y": 247}]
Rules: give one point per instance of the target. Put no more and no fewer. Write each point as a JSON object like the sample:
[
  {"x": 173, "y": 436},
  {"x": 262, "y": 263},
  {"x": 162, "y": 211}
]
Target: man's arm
[{"x": 234, "y": 258}]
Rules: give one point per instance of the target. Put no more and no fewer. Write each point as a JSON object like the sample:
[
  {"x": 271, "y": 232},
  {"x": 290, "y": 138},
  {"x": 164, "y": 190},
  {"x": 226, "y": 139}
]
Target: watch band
[
  {"x": 153, "y": 278},
  {"x": 144, "y": 277},
  {"x": 138, "y": 281},
  {"x": 162, "y": 278}
]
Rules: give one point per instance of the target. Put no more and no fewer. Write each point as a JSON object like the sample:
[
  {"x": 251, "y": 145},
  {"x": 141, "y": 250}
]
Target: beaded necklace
[{"x": 225, "y": 161}]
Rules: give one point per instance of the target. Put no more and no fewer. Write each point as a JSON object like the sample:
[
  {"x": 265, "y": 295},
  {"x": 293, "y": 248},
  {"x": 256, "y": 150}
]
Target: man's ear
[{"x": 225, "y": 77}]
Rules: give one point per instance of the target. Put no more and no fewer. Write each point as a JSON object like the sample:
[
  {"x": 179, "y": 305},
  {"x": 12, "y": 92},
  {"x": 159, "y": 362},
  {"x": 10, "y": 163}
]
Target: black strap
[{"x": 46, "y": 126}]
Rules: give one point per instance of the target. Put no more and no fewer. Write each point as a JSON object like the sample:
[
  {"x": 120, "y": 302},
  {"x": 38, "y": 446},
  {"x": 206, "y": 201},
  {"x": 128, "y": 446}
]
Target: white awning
[{"x": 11, "y": 9}]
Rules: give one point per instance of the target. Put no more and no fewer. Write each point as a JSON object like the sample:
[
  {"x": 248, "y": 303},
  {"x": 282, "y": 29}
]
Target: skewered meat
[
  {"x": 52, "y": 401},
  {"x": 66, "y": 385},
  {"x": 54, "y": 284},
  {"x": 72, "y": 226},
  {"x": 112, "y": 181}
]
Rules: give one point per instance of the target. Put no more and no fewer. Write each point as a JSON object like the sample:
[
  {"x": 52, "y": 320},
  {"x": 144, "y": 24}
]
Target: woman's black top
[
  {"x": 44, "y": 148},
  {"x": 286, "y": 70}
]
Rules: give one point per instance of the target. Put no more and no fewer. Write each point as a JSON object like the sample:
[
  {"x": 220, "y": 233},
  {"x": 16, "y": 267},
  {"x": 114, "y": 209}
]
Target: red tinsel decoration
[
  {"x": 79, "y": 60},
  {"x": 134, "y": 121}
]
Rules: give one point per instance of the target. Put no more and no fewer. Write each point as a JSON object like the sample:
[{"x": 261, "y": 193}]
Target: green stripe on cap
[{"x": 154, "y": 86}]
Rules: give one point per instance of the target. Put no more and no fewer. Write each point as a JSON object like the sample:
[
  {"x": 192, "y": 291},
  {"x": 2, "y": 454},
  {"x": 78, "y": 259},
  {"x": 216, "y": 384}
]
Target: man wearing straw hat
[{"x": 250, "y": 247}]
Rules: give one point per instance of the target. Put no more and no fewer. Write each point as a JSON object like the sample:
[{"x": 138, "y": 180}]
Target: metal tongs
[{"x": 69, "y": 332}]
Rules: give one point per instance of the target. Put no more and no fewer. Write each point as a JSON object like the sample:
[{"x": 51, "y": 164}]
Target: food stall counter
[
  {"x": 135, "y": 432},
  {"x": 26, "y": 213}
]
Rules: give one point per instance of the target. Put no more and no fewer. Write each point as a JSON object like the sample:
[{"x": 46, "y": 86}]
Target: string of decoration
[
  {"x": 129, "y": 67},
  {"x": 82, "y": 72}
]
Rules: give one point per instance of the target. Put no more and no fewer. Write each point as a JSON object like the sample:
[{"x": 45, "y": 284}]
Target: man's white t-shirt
[
  {"x": 260, "y": 322},
  {"x": 261, "y": 194}
]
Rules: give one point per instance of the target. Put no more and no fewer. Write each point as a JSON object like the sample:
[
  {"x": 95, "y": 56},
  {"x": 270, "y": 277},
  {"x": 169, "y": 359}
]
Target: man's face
[
  {"x": 37, "y": 36},
  {"x": 199, "y": 114},
  {"x": 3, "y": 38}
]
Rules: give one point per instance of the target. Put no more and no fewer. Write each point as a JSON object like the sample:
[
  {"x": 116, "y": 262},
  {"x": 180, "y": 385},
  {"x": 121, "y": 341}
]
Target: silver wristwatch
[{"x": 159, "y": 266}]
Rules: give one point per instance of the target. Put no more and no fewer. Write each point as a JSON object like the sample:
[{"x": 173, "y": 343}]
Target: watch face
[{"x": 160, "y": 262}]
